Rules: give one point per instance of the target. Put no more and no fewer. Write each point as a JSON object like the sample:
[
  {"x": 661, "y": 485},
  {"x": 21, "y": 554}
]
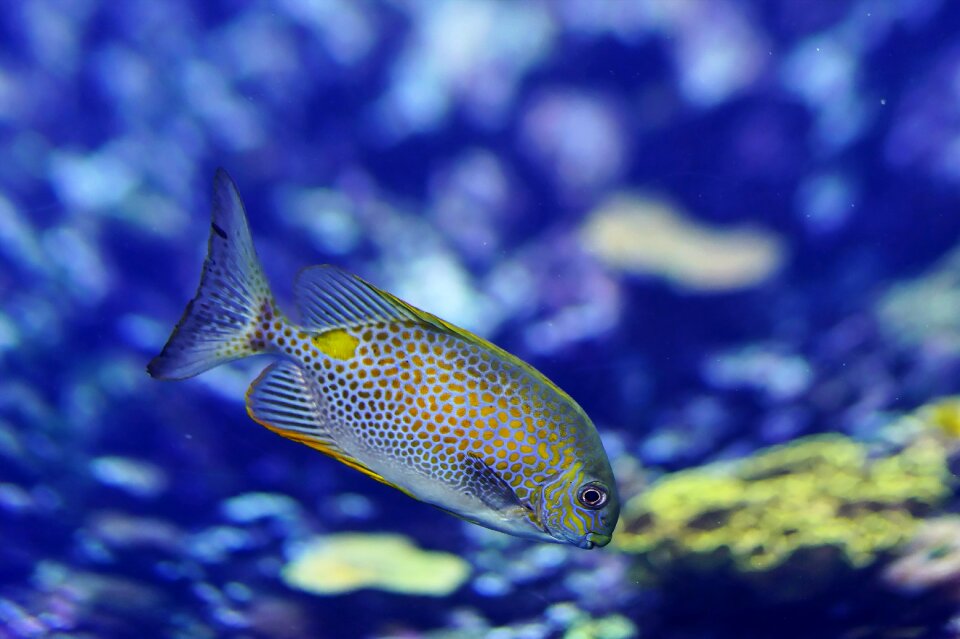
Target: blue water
[{"x": 461, "y": 154}]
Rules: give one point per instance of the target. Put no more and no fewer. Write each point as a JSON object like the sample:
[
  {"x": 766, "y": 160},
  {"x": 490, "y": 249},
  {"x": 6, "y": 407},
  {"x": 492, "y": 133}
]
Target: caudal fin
[{"x": 220, "y": 321}]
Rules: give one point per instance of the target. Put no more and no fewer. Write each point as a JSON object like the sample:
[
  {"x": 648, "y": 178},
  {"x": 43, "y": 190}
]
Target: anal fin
[{"x": 284, "y": 400}]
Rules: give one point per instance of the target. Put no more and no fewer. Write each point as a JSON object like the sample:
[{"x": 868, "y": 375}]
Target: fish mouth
[{"x": 594, "y": 540}]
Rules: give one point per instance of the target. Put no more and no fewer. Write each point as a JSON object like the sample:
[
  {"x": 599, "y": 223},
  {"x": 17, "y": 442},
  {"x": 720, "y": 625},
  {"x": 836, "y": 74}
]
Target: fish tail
[{"x": 224, "y": 320}]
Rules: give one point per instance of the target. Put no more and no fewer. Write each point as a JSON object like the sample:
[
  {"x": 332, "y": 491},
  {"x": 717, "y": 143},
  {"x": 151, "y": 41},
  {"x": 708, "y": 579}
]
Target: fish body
[{"x": 397, "y": 393}]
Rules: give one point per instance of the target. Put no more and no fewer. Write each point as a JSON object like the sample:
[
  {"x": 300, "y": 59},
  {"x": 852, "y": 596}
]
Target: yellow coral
[
  {"x": 816, "y": 505},
  {"x": 944, "y": 415},
  {"x": 342, "y": 563},
  {"x": 647, "y": 235},
  {"x": 609, "y": 627}
]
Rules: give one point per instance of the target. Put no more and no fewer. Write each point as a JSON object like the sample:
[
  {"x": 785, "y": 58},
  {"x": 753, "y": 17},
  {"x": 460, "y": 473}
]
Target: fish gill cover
[{"x": 719, "y": 226}]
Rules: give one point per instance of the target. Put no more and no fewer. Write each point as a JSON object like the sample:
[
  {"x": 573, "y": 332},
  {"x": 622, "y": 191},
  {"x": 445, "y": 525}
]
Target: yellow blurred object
[
  {"x": 788, "y": 521},
  {"x": 645, "y": 235},
  {"x": 944, "y": 415},
  {"x": 343, "y": 563}
]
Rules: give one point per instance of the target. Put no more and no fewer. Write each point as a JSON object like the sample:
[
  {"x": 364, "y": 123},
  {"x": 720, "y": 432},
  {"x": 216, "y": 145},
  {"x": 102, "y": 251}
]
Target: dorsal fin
[
  {"x": 329, "y": 298},
  {"x": 284, "y": 400}
]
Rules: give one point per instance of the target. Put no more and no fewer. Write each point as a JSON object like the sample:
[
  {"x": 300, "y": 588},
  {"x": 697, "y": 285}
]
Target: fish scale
[
  {"x": 397, "y": 393},
  {"x": 427, "y": 398}
]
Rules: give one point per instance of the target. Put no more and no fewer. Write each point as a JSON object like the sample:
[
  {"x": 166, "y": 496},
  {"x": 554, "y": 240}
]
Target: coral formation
[
  {"x": 931, "y": 561},
  {"x": 342, "y": 563},
  {"x": 943, "y": 415},
  {"x": 788, "y": 521},
  {"x": 646, "y": 235},
  {"x": 925, "y": 312},
  {"x": 563, "y": 620}
]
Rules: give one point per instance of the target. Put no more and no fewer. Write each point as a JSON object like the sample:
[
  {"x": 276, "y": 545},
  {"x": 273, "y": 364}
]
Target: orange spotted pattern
[{"x": 437, "y": 403}]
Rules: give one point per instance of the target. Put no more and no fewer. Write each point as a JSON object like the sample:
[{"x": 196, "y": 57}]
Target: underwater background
[{"x": 730, "y": 230}]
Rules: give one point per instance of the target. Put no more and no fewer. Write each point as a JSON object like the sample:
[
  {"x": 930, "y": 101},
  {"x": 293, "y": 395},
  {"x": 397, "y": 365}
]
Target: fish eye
[{"x": 592, "y": 495}]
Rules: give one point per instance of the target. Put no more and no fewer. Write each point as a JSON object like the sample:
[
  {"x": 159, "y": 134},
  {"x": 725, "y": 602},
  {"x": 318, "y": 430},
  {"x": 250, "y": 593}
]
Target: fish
[{"x": 396, "y": 393}]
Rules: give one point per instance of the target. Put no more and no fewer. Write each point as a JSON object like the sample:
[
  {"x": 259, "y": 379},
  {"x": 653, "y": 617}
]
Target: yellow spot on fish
[{"x": 338, "y": 343}]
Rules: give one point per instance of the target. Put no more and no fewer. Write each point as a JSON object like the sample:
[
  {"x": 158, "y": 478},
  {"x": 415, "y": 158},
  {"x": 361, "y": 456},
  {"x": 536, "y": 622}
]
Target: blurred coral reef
[
  {"x": 786, "y": 522},
  {"x": 727, "y": 229},
  {"x": 924, "y": 312},
  {"x": 931, "y": 561},
  {"x": 642, "y": 235},
  {"x": 342, "y": 563}
]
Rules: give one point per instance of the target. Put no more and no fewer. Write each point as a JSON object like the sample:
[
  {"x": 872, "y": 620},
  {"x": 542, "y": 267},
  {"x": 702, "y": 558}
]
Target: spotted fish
[{"x": 397, "y": 393}]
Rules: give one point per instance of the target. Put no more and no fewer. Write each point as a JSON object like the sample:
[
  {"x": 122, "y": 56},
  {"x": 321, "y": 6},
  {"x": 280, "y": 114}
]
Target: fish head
[{"x": 579, "y": 505}]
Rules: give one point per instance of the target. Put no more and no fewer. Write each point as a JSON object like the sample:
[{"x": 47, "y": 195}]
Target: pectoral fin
[{"x": 484, "y": 482}]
